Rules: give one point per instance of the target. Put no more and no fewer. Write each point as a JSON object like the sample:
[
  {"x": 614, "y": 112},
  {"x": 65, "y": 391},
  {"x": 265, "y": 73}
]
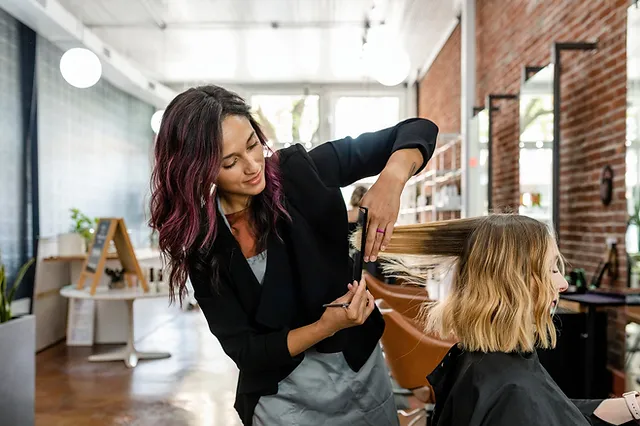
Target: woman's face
[
  {"x": 242, "y": 169},
  {"x": 557, "y": 276}
]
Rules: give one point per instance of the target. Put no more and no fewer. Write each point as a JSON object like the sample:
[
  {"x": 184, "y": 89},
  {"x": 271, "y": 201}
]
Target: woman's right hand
[{"x": 361, "y": 304}]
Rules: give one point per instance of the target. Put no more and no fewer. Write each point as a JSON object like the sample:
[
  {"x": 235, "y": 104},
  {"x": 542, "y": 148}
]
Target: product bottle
[
  {"x": 161, "y": 279},
  {"x": 152, "y": 281}
]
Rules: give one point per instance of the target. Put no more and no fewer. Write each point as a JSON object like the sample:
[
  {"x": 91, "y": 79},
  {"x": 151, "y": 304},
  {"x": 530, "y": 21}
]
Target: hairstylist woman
[{"x": 264, "y": 242}]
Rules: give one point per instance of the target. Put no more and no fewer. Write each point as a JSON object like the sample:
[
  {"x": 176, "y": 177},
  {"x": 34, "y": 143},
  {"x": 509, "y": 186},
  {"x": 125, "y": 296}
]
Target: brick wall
[
  {"x": 439, "y": 90},
  {"x": 11, "y": 170},
  {"x": 512, "y": 34},
  {"x": 94, "y": 150},
  {"x": 517, "y": 33}
]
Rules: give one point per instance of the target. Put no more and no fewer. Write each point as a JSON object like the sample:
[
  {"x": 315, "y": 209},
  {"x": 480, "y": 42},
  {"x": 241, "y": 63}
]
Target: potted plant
[
  {"x": 79, "y": 237},
  {"x": 17, "y": 352},
  {"x": 7, "y": 295}
]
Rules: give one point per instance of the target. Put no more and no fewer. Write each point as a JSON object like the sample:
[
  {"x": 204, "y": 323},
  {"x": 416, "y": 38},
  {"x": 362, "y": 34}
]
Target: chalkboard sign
[
  {"x": 99, "y": 242},
  {"x": 111, "y": 229}
]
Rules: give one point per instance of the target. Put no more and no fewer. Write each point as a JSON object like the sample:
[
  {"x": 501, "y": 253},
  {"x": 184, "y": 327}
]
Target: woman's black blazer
[{"x": 309, "y": 266}]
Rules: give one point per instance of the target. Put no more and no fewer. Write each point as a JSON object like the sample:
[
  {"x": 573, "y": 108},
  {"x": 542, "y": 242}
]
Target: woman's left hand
[{"x": 383, "y": 202}]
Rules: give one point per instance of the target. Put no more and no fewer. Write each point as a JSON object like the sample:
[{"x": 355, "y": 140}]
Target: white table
[
  {"x": 54, "y": 312},
  {"x": 129, "y": 354}
]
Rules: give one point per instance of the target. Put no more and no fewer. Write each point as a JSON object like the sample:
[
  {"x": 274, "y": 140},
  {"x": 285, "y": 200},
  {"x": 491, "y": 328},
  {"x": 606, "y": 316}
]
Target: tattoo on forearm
[{"x": 412, "y": 171}]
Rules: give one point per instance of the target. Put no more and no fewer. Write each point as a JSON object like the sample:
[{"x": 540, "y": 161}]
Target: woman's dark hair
[{"x": 188, "y": 157}]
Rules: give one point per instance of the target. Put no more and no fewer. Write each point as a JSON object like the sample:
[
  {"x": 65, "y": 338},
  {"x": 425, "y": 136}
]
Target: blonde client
[{"x": 507, "y": 279}]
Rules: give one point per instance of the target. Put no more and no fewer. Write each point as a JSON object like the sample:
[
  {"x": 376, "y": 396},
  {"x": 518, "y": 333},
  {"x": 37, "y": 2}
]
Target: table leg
[{"x": 129, "y": 354}]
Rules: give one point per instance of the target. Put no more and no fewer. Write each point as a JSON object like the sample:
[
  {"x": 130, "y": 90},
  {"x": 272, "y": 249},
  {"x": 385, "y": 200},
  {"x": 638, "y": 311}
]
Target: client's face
[{"x": 557, "y": 277}]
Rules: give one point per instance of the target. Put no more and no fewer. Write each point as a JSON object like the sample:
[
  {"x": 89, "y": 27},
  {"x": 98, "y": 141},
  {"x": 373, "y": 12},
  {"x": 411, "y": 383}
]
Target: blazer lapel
[
  {"x": 272, "y": 303},
  {"x": 320, "y": 280},
  {"x": 297, "y": 277},
  {"x": 313, "y": 271},
  {"x": 278, "y": 304},
  {"x": 231, "y": 258}
]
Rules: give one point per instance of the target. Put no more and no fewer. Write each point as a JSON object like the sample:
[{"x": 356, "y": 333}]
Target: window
[
  {"x": 536, "y": 146},
  {"x": 478, "y": 165},
  {"x": 287, "y": 119},
  {"x": 355, "y": 115}
]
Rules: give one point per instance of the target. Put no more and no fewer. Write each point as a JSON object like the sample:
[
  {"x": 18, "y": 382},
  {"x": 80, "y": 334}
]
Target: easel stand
[{"x": 109, "y": 229}]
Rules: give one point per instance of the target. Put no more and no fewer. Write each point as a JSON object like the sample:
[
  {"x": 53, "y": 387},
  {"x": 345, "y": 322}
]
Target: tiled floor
[{"x": 195, "y": 387}]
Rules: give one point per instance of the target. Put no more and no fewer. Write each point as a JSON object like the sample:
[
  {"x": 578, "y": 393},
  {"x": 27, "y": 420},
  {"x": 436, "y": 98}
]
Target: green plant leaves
[
  {"x": 6, "y": 298},
  {"x": 83, "y": 224}
]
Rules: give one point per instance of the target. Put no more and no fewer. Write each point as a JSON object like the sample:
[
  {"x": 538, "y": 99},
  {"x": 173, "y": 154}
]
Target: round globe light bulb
[
  {"x": 156, "y": 120},
  {"x": 80, "y": 67},
  {"x": 388, "y": 64}
]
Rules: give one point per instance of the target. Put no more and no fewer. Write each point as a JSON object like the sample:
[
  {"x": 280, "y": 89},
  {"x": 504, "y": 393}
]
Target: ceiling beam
[
  {"x": 232, "y": 25},
  {"x": 154, "y": 15},
  {"x": 55, "y": 23}
]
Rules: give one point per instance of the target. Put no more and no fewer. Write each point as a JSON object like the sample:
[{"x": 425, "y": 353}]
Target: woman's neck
[{"x": 232, "y": 203}]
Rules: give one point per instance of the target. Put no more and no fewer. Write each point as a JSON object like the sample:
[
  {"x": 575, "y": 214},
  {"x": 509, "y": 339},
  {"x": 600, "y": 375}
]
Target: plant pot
[
  {"x": 17, "y": 371},
  {"x": 71, "y": 244}
]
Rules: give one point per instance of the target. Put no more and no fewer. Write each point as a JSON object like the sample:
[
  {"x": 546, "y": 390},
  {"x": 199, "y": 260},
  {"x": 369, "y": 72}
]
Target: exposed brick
[
  {"x": 439, "y": 91},
  {"x": 512, "y": 34}
]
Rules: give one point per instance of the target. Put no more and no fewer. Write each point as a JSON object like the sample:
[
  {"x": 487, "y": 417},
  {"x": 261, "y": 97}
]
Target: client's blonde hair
[{"x": 501, "y": 292}]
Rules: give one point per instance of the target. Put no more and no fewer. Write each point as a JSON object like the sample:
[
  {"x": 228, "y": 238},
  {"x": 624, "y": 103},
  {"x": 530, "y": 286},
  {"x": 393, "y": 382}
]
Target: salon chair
[
  {"x": 398, "y": 287},
  {"x": 406, "y": 300},
  {"x": 411, "y": 355}
]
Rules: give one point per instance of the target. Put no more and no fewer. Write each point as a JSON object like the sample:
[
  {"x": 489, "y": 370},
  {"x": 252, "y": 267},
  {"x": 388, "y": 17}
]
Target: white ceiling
[{"x": 232, "y": 41}]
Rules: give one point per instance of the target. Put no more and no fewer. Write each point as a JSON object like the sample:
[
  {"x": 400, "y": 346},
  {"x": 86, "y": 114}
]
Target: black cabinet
[{"x": 566, "y": 363}]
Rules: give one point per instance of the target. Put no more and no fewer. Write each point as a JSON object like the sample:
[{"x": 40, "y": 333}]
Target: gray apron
[{"x": 324, "y": 390}]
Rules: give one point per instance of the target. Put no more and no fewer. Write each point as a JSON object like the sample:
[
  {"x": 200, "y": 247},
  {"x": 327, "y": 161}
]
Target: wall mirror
[
  {"x": 632, "y": 181},
  {"x": 478, "y": 164},
  {"x": 633, "y": 130},
  {"x": 536, "y": 146}
]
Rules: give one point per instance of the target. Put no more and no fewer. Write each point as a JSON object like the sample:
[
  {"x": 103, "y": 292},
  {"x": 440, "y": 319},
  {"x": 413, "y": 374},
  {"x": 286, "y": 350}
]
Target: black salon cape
[{"x": 500, "y": 389}]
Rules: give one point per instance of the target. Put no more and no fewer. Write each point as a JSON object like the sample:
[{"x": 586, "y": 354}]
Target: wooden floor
[{"x": 195, "y": 387}]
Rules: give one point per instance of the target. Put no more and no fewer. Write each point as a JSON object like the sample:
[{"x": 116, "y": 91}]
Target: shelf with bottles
[
  {"x": 434, "y": 194},
  {"x": 446, "y": 156}
]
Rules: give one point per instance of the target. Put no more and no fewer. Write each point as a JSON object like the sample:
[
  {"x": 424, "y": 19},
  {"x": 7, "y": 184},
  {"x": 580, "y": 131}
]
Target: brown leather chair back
[
  {"x": 406, "y": 300},
  {"x": 410, "y": 354},
  {"x": 398, "y": 287}
]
